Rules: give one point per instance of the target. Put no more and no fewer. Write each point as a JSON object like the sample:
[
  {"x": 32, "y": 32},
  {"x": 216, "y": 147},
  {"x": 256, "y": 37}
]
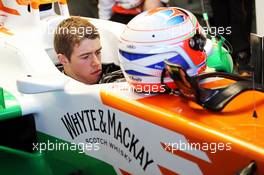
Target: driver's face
[{"x": 85, "y": 62}]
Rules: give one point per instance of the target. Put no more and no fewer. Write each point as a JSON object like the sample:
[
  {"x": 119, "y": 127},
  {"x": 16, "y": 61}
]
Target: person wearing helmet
[
  {"x": 124, "y": 10},
  {"x": 156, "y": 35}
]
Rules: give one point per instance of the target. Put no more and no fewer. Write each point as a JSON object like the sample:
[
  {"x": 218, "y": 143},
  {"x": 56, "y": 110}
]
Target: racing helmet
[{"x": 163, "y": 33}]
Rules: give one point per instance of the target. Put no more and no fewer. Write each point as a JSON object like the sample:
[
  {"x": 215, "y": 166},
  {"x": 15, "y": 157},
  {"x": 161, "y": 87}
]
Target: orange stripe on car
[
  {"x": 166, "y": 171},
  {"x": 8, "y": 10},
  {"x": 124, "y": 172},
  {"x": 23, "y": 2},
  {"x": 5, "y": 30},
  {"x": 63, "y": 1}
]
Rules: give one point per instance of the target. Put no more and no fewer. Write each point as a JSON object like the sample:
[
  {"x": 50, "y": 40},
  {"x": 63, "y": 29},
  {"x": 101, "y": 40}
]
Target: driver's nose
[{"x": 96, "y": 60}]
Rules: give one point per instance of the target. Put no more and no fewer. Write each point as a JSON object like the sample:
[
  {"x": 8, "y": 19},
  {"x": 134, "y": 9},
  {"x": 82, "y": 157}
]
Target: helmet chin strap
[{"x": 211, "y": 99}]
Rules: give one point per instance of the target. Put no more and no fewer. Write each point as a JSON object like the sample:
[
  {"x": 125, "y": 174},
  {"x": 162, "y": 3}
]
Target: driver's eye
[
  {"x": 86, "y": 57},
  {"x": 98, "y": 52}
]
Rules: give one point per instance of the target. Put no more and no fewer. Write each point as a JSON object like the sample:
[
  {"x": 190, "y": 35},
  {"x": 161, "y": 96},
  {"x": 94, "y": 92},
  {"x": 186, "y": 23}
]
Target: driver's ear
[{"x": 63, "y": 59}]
